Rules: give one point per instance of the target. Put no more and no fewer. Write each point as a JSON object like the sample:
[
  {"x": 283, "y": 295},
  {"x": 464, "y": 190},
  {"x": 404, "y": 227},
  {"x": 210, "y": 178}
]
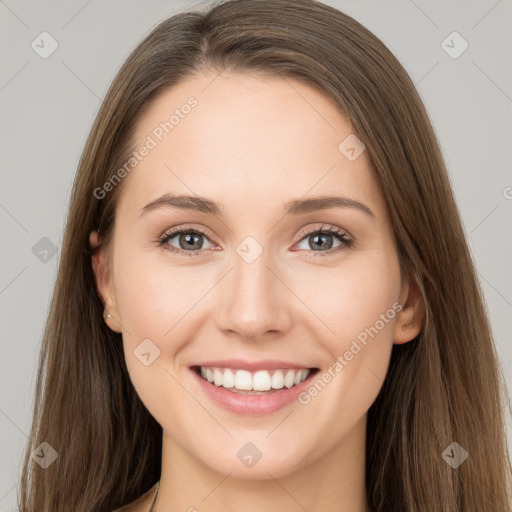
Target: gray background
[{"x": 48, "y": 105}]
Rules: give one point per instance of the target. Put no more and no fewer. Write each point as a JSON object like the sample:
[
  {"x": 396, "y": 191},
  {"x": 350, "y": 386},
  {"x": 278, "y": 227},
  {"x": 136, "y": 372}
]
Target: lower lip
[{"x": 251, "y": 405}]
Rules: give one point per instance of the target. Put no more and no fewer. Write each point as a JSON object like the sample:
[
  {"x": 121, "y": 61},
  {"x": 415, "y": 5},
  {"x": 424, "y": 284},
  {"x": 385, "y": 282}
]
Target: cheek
[
  {"x": 155, "y": 301},
  {"x": 359, "y": 305},
  {"x": 352, "y": 297},
  {"x": 153, "y": 294}
]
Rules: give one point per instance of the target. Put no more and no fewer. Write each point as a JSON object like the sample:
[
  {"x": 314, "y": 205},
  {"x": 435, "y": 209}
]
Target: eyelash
[{"x": 346, "y": 242}]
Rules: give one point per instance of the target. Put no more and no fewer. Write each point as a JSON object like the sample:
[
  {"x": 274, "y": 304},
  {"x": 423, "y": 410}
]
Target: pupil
[
  {"x": 189, "y": 241},
  {"x": 323, "y": 238}
]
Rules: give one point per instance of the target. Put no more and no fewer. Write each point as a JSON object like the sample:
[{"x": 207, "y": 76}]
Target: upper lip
[{"x": 251, "y": 366}]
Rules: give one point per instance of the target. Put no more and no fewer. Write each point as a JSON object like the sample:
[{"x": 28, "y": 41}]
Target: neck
[{"x": 333, "y": 481}]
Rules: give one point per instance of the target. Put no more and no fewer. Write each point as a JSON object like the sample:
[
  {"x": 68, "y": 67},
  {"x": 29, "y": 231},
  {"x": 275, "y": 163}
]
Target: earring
[
  {"x": 107, "y": 316},
  {"x": 405, "y": 327}
]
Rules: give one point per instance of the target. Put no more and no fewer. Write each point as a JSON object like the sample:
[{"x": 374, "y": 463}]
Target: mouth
[
  {"x": 259, "y": 382},
  {"x": 251, "y": 388}
]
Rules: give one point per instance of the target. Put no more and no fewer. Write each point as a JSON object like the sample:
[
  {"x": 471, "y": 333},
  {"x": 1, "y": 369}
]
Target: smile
[
  {"x": 246, "y": 382},
  {"x": 252, "y": 391}
]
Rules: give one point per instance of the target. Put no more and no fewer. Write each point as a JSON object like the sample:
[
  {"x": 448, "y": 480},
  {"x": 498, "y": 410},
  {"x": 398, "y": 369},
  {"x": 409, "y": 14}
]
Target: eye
[
  {"x": 322, "y": 239},
  {"x": 189, "y": 241}
]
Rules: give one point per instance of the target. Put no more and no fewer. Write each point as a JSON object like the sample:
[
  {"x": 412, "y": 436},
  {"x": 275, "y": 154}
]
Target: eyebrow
[{"x": 295, "y": 207}]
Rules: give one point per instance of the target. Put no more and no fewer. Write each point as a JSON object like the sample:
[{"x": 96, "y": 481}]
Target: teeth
[
  {"x": 217, "y": 377},
  {"x": 289, "y": 379},
  {"x": 278, "y": 380},
  {"x": 243, "y": 380},
  {"x": 228, "y": 379},
  {"x": 262, "y": 380}
]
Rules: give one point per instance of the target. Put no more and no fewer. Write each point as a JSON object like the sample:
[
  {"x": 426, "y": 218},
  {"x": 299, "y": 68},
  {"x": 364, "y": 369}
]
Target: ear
[
  {"x": 103, "y": 278},
  {"x": 410, "y": 319}
]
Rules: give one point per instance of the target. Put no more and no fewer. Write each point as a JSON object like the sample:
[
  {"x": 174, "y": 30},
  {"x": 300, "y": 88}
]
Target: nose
[{"x": 254, "y": 303}]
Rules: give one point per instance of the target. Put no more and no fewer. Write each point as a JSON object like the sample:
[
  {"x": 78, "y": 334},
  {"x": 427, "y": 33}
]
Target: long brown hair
[{"x": 445, "y": 386}]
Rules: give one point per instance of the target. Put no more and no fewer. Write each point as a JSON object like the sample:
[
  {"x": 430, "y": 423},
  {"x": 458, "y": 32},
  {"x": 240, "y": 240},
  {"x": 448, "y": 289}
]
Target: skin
[{"x": 253, "y": 141}]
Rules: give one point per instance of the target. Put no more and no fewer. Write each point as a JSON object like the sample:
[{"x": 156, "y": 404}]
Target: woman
[{"x": 265, "y": 296}]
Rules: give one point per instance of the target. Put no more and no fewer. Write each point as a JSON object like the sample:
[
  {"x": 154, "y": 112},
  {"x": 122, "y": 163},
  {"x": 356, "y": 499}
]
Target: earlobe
[
  {"x": 102, "y": 280},
  {"x": 410, "y": 319}
]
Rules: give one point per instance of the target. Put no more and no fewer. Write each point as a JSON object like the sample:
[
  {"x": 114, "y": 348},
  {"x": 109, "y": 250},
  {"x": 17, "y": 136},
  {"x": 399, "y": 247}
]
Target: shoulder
[
  {"x": 141, "y": 504},
  {"x": 134, "y": 506}
]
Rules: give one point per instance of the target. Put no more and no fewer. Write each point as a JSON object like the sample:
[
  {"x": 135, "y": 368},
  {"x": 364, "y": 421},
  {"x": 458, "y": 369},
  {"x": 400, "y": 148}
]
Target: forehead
[{"x": 240, "y": 137}]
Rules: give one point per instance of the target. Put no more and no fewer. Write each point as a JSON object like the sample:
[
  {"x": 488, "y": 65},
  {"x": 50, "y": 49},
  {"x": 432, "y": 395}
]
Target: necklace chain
[{"x": 152, "y": 509}]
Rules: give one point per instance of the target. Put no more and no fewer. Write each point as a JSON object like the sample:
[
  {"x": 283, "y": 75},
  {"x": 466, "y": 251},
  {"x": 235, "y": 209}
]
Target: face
[{"x": 249, "y": 282}]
